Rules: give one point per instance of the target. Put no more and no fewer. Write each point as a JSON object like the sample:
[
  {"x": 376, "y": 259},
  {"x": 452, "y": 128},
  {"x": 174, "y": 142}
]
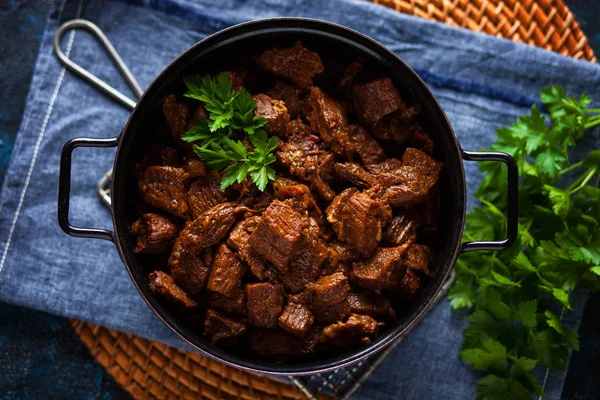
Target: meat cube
[
  {"x": 198, "y": 114},
  {"x": 320, "y": 183},
  {"x": 163, "y": 188},
  {"x": 226, "y": 272},
  {"x": 398, "y": 126},
  {"x": 354, "y": 174},
  {"x": 289, "y": 94},
  {"x": 401, "y": 229},
  {"x": 238, "y": 240},
  {"x": 155, "y": 234},
  {"x": 298, "y": 128},
  {"x": 346, "y": 83},
  {"x": 342, "y": 252},
  {"x": 234, "y": 304},
  {"x": 389, "y": 165},
  {"x": 236, "y": 76},
  {"x": 304, "y": 297},
  {"x": 329, "y": 119},
  {"x": 369, "y": 150},
  {"x": 278, "y": 236},
  {"x": 410, "y": 283},
  {"x": 358, "y": 329},
  {"x": 222, "y": 330},
  {"x": 330, "y": 298},
  {"x": 280, "y": 345},
  {"x": 265, "y": 303},
  {"x": 418, "y": 258},
  {"x": 162, "y": 284},
  {"x": 157, "y": 155},
  {"x": 284, "y": 188},
  {"x": 300, "y": 154},
  {"x": 372, "y": 304},
  {"x": 305, "y": 266},
  {"x": 296, "y": 63},
  {"x": 421, "y": 140},
  {"x": 195, "y": 168},
  {"x": 357, "y": 219},
  {"x": 375, "y": 99},
  {"x": 205, "y": 193},
  {"x": 383, "y": 271},
  {"x": 188, "y": 268},
  {"x": 296, "y": 319},
  {"x": 176, "y": 114},
  {"x": 275, "y": 112},
  {"x": 412, "y": 182}
]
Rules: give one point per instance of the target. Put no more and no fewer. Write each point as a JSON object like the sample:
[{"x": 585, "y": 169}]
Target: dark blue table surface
[{"x": 40, "y": 354}]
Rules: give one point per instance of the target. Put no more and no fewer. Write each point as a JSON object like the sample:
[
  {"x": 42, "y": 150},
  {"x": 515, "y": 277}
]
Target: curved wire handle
[{"x": 91, "y": 78}]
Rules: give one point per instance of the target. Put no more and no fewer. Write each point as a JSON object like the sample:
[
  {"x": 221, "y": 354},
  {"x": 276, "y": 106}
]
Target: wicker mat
[{"x": 149, "y": 369}]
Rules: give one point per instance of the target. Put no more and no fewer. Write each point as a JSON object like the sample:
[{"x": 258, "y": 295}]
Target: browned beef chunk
[
  {"x": 157, "y": 155},
  {"x": 304, "y": 297},
  {"x": 389, "y": 165},
  {"x": 372, "y": 304},
  {"x": 176, "y": 114},
  {"x": 155, "y": 234},
  {"x": 329, "y": 119},
  {"x": 300, "y": 154},
  {"x": 289, "y": 94},
  {"x": 401, "y": 229},
  {"x": 198, "y": 114},
  {"x": 354, "y": 174},
  {"x": 422, "y": 141},
  {"x": 163, "y": 187},
  {"x": 238, "y": 240},
  {"x": 296, "y": 63},
  {"x": 358, "y": 329},
  {"x": 330, "y": 298},
  {"x": 188, "y": 268},
  {"x": 234, "y": 304},
  {"x": 206, "y": 256},
  {"x": 265, "y": 303},
  {"x": 369, "y": 150},
  {"x": 236, "y": 76},
  {"x": 305, "y": 266},
  {"x": 343, "y": 252},
  {"x": 162, "y": 284},
  {"x": 205, "y": 193},
  {"x": 297, "y": 195},
  {"x": 383, "y": 271},
  {"x": 324, "y": 174},
  {"x": 278, "y": 236},
  {"x": 398, "y": 126},
  {"x": 412, "y": 182},
  {"x": 299, "y": 128},
  {"x": 358, "y": 219},
  {"x": 226, "y": 272},
  {"x": 410, "y": 283},
  {"x": 418, "y": 257},
  {"x": 275, "y": 112},
  {"x": 280, "y": 345},
  {"x": 195, "y": 168},
  {"x": 222, "y": 330},
  {"x": 296, "y": 319},
  {"x": 346, "y": 83},
  {"x": 375, "y": 99}
]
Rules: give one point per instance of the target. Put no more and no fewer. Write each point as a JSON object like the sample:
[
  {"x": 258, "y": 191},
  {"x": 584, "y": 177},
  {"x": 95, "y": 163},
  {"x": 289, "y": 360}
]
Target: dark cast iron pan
[{"x": 337, "y": 43}]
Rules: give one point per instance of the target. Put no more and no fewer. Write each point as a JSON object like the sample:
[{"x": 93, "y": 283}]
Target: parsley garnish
[
  {"x": 231, "y": 115},
  {"x": 516, "y": 295}
]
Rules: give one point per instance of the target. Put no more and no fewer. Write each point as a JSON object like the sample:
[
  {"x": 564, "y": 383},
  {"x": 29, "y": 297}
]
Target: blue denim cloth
[{"x": 482, "y": 83}]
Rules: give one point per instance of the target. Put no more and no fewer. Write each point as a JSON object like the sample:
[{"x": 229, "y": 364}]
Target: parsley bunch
[
  {"x": 518, "y": 296},
  {"x": 231, "y": 115}
]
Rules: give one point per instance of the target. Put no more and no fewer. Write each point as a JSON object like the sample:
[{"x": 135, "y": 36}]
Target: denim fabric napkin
[{"x": 481, "y": 81}]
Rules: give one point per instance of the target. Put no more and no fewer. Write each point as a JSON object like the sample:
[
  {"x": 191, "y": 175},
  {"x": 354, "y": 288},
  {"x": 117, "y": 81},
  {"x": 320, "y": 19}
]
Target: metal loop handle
[
  {"x": 91, "y": 78},
  {"x": 512, "y": 191},
  {"x": 64, "y": 188}
]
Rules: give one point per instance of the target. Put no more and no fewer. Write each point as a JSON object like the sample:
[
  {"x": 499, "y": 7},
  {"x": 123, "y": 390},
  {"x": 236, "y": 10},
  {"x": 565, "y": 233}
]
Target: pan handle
[
  {"x": 91, "y": 78},
  {"x": 64, "y": 188},
  {"x": 512, "y": 201}
]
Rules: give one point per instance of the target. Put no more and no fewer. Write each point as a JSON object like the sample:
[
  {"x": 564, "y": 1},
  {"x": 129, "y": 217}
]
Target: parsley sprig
[
  {"x": 231, "y": 116},
  {"x": 518, "y": 296}
]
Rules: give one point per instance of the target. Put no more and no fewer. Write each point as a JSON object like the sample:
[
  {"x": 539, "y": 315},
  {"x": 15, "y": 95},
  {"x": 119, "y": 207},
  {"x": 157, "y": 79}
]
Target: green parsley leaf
[
  {"x": 492, "y": 355},
  {"x": 526, "y": 313},
  {"x": 561, "y": 200},
  {"x": 554, "y": 322},
  {"x": 492, "y": 387},
  {"x": 462, "y": 293},
  {"x": 549, "y": 162},
  {"x": 243, "y": 113}
]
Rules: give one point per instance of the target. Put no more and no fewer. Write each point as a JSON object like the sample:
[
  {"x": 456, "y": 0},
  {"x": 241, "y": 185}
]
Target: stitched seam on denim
[
  {"x": 349, "y": 375},
  {"x": 30, "y": 105},
  {"x": 39, "y": 143},
  {"x": 562, "y": 312}
]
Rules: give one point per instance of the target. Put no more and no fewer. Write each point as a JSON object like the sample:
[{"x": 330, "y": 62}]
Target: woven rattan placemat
[{"x": 148, "y": 369}]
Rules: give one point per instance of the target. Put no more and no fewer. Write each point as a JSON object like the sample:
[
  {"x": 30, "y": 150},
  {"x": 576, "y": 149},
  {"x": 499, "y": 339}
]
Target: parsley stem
[
  {"x": 592, "y": 122},
  {"x": 590, "y": 175},
  {"x": 571, "y": 168}
]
